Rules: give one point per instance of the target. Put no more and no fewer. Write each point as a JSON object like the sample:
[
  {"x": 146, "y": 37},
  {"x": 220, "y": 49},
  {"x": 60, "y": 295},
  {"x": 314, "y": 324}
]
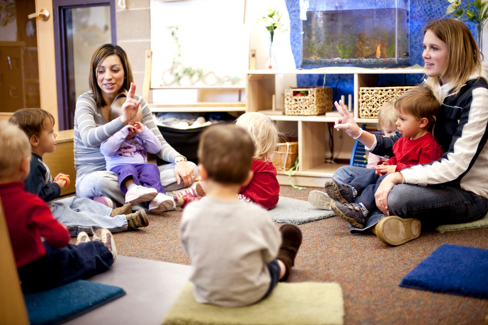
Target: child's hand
[
  {"x": 138, "y": 127},
  {"x": 62, "y": 180},
  {"x": 385, "y": 169}
]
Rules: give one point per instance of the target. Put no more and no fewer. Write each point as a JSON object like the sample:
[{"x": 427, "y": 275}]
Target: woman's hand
[
  {"x": 381, "y": 195},
  {"x": 184, "y": 173},
  {"x": 346, "y": 121},
  {"x": 130, "y": 107}
]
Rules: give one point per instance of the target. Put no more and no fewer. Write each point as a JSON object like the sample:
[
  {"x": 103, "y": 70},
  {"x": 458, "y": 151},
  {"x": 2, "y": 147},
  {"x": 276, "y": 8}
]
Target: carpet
[
  {"x": 452, "y": 269},
  {"x": 297, "y": 211},
  {"x": 58, "y": 305},
  {"x": 310, "y": 303},
  {"x": 481, "y": 223}
]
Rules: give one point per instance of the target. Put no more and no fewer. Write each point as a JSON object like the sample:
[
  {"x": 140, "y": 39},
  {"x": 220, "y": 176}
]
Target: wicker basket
[
  {"x": 372, "y": 98},
  {"x": 285, "y": 155},
  {"x": 308, "y": 101}
]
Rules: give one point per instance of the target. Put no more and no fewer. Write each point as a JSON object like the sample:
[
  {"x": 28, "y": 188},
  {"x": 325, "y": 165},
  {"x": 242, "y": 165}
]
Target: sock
[
  {"x": 364, "y": 211},
  {"x": 131, "y": 186}
]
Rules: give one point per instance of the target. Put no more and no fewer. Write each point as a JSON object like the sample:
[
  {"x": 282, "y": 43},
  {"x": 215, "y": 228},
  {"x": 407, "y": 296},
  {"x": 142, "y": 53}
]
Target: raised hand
[
  {"x": 130, "y": 107},
  {"x": 346, "y": 122}
]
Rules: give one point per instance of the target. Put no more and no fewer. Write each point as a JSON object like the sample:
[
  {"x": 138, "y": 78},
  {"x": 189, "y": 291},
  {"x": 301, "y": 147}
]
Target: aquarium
[{"x": 355, "y": 33}]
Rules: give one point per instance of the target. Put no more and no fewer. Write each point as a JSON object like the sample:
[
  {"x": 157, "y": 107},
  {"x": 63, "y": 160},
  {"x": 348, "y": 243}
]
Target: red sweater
[
  {"x": 28, "y": 218},
  {"x": 420, "y": 151},
  {"x": 264, "y": 188}
]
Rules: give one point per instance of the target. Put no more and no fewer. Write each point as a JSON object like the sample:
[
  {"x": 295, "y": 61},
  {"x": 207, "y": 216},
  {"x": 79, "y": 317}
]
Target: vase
[
  {"x": 271, "y": 60},
  {"x": 479, "y": 37}
]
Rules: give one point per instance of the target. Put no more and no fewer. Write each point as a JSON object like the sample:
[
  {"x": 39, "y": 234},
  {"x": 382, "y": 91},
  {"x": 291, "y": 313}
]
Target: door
[{"x": 41, "y": 45}]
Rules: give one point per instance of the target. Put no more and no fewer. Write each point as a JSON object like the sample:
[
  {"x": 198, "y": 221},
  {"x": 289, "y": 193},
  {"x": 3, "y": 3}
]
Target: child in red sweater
[
  {"x": 43, "y": 256},
  {"x": 263, "y": 189},
  {"x": 354, "y": 201}
]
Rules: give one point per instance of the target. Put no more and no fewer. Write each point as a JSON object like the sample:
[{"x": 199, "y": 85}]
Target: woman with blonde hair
[{"x": 452, "y": 189}]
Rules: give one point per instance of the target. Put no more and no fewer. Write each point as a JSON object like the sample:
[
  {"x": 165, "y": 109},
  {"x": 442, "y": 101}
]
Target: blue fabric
[
  {"x": 457, "y": 270},
  {"x": 63, "y": 303}
]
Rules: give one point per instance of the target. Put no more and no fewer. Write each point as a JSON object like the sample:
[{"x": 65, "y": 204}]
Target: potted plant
[{"x": 475, "y": 11}]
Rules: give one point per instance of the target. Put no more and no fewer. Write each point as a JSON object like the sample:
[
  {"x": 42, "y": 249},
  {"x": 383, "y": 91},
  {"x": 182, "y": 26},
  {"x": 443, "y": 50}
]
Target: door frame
[{"x": 60, "y": 49}]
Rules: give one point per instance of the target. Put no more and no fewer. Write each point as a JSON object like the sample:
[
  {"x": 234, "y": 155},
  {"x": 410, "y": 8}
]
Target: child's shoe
[
  {"x": 140, "y": 194},
  {"x": 291, "y": 239},
  {"x": 137, "y": 219},
  {"x": 185, "y": 199},
  {"x": 105, "y": 236},
  {"x": 195, "y": 190},
  {"x": 82, "y": 238},
  {"x": 161, "y": 203},
  {"x": 351, "y": 212},
  {"x": 320, "y": 200},
  {"x": 125, "y": 209},
  {"x": 396, "y": 231},
  {"x": 341, "y": 193},
  {"x": 105, "y": 201}
]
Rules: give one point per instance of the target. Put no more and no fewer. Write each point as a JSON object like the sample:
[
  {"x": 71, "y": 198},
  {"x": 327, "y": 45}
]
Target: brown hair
[
  {"x": 226, "y": 151},
  {"x": 101, "y": 54},
  {"x": 420, "y": 102},
  {"x": 263, "y": 133},
  {"x": 15, "y": 142},
  {"x": 32, "y": 120},
  {"x": 463, "y": 55}
]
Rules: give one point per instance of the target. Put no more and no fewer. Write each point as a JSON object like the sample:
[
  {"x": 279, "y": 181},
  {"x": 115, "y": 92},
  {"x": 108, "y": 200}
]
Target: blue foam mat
[
  {"x": 452, "y": 269},
  {"x": 58, "y": 305}
]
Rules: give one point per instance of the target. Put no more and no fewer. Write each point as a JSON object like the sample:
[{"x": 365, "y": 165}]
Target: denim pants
[
  {"x": 64, "y": 265},
  {"x": 105, "y": 183},
  {"x": 146, "y": 175},
  {"x": 366, "y": 184},
  {"x": 81, "y": 214},
  {"x": 432, "y": 205},
  {"x": 274, "y": 273}
]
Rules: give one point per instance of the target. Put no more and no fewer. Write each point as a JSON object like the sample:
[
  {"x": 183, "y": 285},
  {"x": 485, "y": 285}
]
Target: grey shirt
[{"x": 230, "y": 245}]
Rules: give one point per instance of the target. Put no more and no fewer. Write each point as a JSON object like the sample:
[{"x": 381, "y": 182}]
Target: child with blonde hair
[
  {"x": 263, "y": 189},
  {"x": 40, "y": 243},
  {"x": 126, "y": 155},
  {"x": 78, "y": 214},
  {"x": 386, "y": 120}
]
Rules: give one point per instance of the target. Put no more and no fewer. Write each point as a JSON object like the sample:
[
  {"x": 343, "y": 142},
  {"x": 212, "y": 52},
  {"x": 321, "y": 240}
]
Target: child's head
[
  {"x": 14, "y": 142},
  {"x": 38, "y": 125},
  {"x": 387, "y": 118},
  {"x": 226, "y": 154},
  {"x": 263, "y": 133},
  {"x": 419, "y": 102}
]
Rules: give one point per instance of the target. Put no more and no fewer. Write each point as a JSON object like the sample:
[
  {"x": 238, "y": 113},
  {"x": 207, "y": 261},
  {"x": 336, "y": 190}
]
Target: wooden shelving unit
[{"x": 313, "y": 170}]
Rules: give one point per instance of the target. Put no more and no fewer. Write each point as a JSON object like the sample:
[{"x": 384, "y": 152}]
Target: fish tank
[{"x": 361, "y": 33}]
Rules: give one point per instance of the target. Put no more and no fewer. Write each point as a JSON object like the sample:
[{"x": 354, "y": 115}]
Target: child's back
[{"x": 230, "y": 244}]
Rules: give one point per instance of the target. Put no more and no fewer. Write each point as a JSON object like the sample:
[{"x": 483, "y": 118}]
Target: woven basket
[
  {"x": 372, "y": 98},
  {"x": 285, "y": 155},
  {"x": 316, "y": 101}
]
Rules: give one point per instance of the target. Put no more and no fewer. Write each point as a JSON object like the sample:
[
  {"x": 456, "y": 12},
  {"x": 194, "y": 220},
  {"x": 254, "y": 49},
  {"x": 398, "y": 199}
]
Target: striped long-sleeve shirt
[{"x": 91, "y": 129}]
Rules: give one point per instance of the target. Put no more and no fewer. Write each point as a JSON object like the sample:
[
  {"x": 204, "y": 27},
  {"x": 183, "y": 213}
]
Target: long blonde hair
[
  {"x": 263, "y": 133},
  {"x": 463, "y": 54}
]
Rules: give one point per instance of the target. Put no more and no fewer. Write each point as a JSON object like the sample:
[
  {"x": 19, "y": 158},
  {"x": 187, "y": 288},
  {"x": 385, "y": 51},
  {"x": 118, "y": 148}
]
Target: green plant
[
  {"x": 310, "y": 45},
  {"x": 271, "y": 21},
  {"x": 475, "y": 11},
  {"x": 390, "y": 50},
  {"x": 344, "y": 54}
]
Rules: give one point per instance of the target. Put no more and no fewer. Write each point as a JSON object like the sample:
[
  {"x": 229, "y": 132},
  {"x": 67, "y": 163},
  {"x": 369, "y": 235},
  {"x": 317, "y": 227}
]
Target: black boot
[{"x": 291, "y": 239}]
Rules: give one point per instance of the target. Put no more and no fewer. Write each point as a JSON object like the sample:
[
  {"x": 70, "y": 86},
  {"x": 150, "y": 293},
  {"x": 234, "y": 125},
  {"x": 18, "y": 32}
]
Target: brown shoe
[
  {"x": 291, "y": 239},
  {"x": 137, "y": 219},
  {"x": 397, "y": 231},
  {"x": 125, "y": 209}
]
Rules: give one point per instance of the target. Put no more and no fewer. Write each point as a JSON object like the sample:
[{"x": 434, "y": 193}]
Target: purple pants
[{"x": 146, "y": 175}]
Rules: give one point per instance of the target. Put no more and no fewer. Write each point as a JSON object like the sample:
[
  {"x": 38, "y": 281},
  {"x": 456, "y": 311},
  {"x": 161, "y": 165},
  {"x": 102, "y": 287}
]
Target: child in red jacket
[
  {"x": 263, "y": 189},
  {"x": 43, "y": 256}
]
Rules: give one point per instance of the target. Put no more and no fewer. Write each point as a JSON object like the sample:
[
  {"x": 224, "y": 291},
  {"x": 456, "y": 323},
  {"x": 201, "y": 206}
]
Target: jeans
[
  {"x": 274, "y": 273},
  {"x": 64, "y": 265},
  {"x": 432, "y": 205},
  {"x": 81, "y": 214},
  {"x": 105, "y": 183}
]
